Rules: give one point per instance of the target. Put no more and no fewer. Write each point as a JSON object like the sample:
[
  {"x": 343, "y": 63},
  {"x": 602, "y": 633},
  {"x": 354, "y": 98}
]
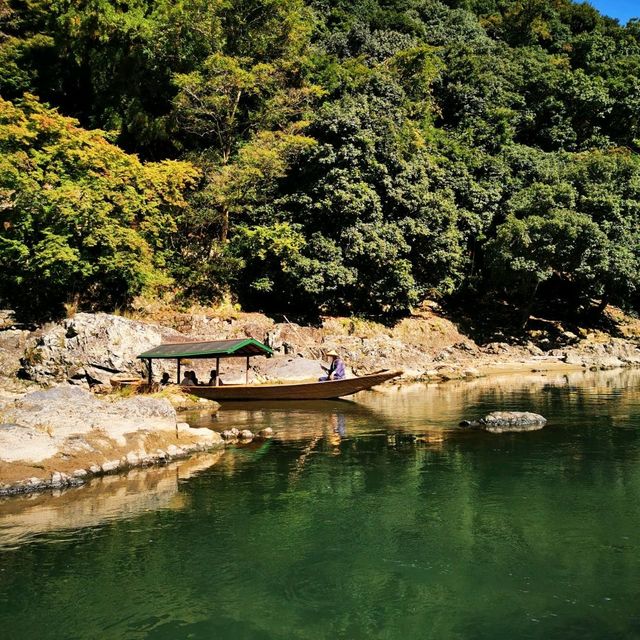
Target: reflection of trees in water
[
  {"x": 411, "y": 528},
  {"x": 604, "y": 393},
  {"x": 392, "y": 534},
  {"x": 499, "y": 504}
]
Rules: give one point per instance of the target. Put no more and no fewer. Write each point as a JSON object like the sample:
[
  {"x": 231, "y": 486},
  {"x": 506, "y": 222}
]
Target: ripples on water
[{"x": 375, "y": 519}]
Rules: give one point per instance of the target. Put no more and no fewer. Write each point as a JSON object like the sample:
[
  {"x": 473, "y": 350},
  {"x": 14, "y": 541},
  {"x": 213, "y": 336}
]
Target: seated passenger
[
  {"x": 165, "y": 379},
  {"x": 214, "y": 379},
  {"x": 336, "y": 369},
  {"x": 187, "y": 380}
]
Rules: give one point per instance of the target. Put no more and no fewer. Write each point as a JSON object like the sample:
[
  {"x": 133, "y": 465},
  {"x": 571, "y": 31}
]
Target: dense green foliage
[
  {"x": 351, "y": 157},
  {"x": 81, "y": 218}
]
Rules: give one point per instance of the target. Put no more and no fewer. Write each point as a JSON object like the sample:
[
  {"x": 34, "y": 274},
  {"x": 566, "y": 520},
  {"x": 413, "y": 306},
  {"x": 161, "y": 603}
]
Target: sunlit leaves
[{"x": 80, "y": 218}]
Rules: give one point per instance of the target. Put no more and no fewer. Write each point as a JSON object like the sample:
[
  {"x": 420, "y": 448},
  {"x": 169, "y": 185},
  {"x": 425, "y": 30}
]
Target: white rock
[
  {"x": 58, "y": 478},
  {"x": 43, "y": 423},
  {"x": 174, "y": 451},
  {"x": 110, "y": 465}
]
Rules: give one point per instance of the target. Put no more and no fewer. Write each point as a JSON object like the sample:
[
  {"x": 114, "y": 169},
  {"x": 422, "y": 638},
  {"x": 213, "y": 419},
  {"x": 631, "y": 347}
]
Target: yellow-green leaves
[{"x": 79, "y": 215}]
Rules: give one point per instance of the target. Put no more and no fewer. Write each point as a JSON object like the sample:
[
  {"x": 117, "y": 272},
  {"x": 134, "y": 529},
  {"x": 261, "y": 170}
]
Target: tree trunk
[
  {"x": 224, "y": 225},
  {"x": 599, "y": 310},
  {"x": 526, "y": 310}
]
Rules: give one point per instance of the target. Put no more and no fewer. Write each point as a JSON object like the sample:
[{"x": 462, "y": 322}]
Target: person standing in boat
[{"x": 336, "y": 369}]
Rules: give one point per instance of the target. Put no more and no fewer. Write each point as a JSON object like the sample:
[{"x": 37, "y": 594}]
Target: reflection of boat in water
[
  {"x": 349, "y": 407},
  {"x": 295, "y": 421},
  {"x": 293, "y": 391}
]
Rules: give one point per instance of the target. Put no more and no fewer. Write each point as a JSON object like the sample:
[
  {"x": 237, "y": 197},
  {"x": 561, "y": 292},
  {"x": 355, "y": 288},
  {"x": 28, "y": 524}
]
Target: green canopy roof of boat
[{"x": 215, "y": 349}]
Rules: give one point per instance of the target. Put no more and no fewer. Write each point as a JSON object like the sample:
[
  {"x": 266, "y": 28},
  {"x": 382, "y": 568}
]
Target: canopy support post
[
  {"x": 178, "y": 380},
  {"x": 150, "y": 365},
  {"x": 246, "y": 376},
  {"x": 218, "y": 370}
]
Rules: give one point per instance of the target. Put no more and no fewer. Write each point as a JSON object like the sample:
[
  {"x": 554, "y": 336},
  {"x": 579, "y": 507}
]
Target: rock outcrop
[
  {"x": 90, "y": 348},
  {"x": 505, "y": 421},
  {"x": 51, "y": 417},
  {"x": 290, "y": 368},
  {"x": 12, "y": 347},
  {"x": 65, "y": 435},
  {"x": 612, "y": 354}
]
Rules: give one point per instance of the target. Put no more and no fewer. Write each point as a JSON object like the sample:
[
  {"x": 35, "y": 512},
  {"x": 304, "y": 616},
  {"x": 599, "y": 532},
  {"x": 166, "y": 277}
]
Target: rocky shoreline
[
  {"x": 89, "y": 349},
  {"x": 64, "y": 436},
  {"x": 61, "y": 424}
]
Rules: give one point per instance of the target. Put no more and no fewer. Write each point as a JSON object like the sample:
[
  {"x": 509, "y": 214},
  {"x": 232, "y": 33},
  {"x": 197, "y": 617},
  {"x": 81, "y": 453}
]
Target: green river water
[{"x": 371, "y": 519}]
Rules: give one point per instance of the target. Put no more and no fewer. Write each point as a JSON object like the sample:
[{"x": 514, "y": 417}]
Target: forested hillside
[{"x": 318, "y": 156}]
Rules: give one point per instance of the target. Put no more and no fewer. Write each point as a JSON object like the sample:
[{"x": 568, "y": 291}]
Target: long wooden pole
[
  {"x": 316, "y": 353},
  {"x": 178, "y": 360},
  {"x": 149, "y": 361},
  {"x": 246, "y": 376}
]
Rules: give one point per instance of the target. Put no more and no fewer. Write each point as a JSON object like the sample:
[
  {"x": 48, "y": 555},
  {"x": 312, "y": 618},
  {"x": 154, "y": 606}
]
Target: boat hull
[{"x": 293, "y": 391}]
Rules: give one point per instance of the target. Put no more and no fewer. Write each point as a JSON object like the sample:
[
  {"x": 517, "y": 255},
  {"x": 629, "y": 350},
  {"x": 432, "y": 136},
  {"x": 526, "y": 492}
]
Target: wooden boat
[
  {"x": 292, "y": 391},
  {"x": 122, "y": 380}
]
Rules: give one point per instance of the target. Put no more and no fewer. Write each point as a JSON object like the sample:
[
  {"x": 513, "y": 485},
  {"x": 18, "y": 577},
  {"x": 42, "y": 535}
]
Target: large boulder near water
[
  {"x": 70, "y": 421},
  {"x": 91, "y": 348},
  {"x": 42, "y": 423},
  {"x": 505, "y": 421},
  {"x": 290, "y": 368}
]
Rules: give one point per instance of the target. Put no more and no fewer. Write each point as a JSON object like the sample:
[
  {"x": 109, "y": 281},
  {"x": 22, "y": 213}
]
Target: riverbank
[
  {"x": 89, "y": 349},
  {"x": 66, "y": 435}
]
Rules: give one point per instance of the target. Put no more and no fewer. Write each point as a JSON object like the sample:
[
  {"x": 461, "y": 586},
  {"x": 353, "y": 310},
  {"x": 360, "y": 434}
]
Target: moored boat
[
  {"x": 247, "y": 348},
  {"x": 293, "y": 391}
]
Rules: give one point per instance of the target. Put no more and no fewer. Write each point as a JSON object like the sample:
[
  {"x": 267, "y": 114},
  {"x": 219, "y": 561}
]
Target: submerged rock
[
  {"x": 230, "y": 434},
  {"x": 182, "y": 401},
  {"x": 505, "y": 421}
]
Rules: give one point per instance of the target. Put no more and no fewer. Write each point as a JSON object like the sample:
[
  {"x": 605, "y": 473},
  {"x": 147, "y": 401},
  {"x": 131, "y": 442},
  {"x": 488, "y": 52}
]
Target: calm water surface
[{"x": 379, "y": 519}]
